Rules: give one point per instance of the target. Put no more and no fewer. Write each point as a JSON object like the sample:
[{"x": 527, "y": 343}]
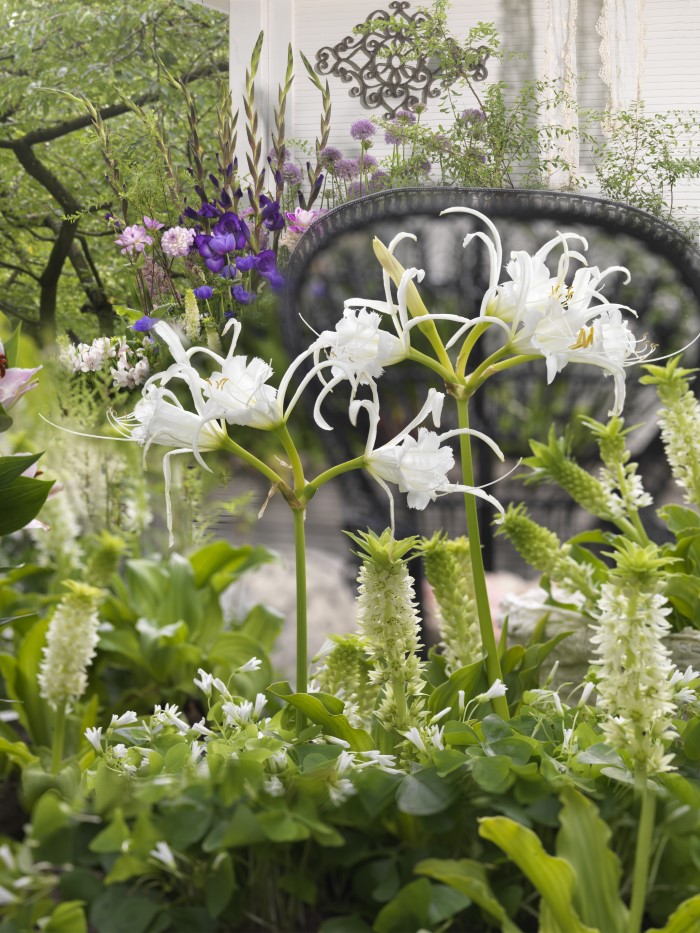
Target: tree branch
[{"x": 65, "y": 127}]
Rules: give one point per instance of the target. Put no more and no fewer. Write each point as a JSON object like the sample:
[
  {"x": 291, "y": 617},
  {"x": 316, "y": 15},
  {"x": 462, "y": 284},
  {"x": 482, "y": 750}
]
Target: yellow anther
[{"x": 584, "y": 339}]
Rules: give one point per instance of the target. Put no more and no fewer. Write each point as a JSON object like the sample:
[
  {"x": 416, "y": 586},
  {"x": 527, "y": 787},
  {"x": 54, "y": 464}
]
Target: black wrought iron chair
[{"x": 334, "y": 261}]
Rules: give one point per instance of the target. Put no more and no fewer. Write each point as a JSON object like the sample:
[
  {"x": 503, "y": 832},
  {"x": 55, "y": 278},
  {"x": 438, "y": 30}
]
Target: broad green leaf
[
  {"x": 68, "y": 917},
  {"x": 425, "y": 793},
  {"x": 219, "y": 564},
  {"x": 600, "y": 754},
  {"x": 583, "y": 841},
  {"x": 680, "y": 519},
  {"x": 21, "y": 501},
  {"x": 348, "y": 924},
  {"x": 264, "y": 625},
  {"x": 242, "y": 829},
  {"x": 471, "y": 679},
  {"x": 445, "y": 902},
  {"x": 468, "y": 877},
  {"x": 17, "y": 752},
  {"x": 408, "y": 911},
  {"x": 691, "y": 739},
  {"x": 316, "y": 707},
  {"x": 120, "y": 910},
  {"x": 493, "y": 773},
  {"x": 112, "y": 837},
  {"x": 12, "y": 467},
  {"x": 553, "y": 877},
  {"x": 35, "y": 710},
  {"x": 686, "y": 919},
  {"x": 220, "y": 884}
]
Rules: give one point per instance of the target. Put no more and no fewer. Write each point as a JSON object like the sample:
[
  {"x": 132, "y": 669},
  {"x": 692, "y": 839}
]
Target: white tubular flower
[
  {"x": 164, "y": 854},
  {"x": 126, "y": 719},
  {"x": 253, "y": 665},
  {"x": 94, "y": 737},
  {"x": 70, "y": 645},
  {"x": 205, "y": 681},
  {"x": 419, "y": 466},
  {"x": 497, "y": 689}
]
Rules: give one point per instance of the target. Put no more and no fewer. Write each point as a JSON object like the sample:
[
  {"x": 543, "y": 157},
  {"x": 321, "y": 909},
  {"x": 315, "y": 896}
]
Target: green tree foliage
[{"x": 59, "y": 268}]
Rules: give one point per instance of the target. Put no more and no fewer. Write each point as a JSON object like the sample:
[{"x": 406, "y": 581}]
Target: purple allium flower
[
  {"x": 405, "y": 117},
  {"x": 292, "y": 174},
  {"x": 369, "y": 161},
  {"x": 472, "y": 115},
  {"x": 356, "y": 189},
  {"x": 241, "y": 295},
  {"x": 379, "y": 180},
  {"x": 347, "y": 169},
  {"x": 230, "y": 224},
  {"x": 402, "y": 118},
  {"x": 271, "y": 215},
  {"x": 329, "y": 155},
  {"x": 425, "y": 166},
  {"x": 363, "y": 129},
  {"x": 204, "y": 292},
  {"x": 134, "y": 238},
  {"x": 151, "y": 224},
  {"x": 284, "y": 155},
  {"x": 144, "y": 324},
  {"x": 177, "y": 242}
]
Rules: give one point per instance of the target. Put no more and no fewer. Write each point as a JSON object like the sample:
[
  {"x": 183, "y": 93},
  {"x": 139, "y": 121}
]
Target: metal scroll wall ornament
[{"x": 382, "y": 77}]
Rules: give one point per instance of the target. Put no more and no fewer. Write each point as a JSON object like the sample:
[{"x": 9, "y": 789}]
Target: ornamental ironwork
[{"x": 382, "y": 77}]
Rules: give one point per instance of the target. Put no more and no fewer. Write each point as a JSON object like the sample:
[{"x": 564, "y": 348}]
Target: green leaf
[
  {"x": 408, "y": 911},
  {"x": 6, "y": 420},
  {"x": 17, "y": 752},
  {"x": 242, "y": 829},
  {"x": 471, "y": 679},
  {"x": 686, "y": 919},
  {"x": 112, "y": 837},
  {"x": 425, "y": 793},
  {"x": 583, "y": 841},
  {"x": 553, "y": 877},
  {"x": 21, "y": 502},
  {"x": 468, "y": 877},
  {"x": 12, "y": 347},
  {"x": 445, "y": 902},
  {"x": 691, "y": 739},
  {"x": 349, "y": 924},
  {"x": 264, "y": 625},
  {"x": 680, "y": 519},
  {"x": 220, "y": 563},
  {"x": 316, "y": 707},
  {"x": 12, "y": 467},
  {"x": 68, "y": 917},
  {"x": 493, "y": 773},
  {"x": 600, "y": 754},
  {"x": 220, "y": 884},
  {"x": 120, "y": 910}
]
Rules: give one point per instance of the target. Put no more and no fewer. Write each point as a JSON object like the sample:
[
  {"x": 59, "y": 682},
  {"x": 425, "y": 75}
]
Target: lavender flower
[
  {"x": 267, "y": 267},
  {"x": 357, "y": 189},
  {"x": 134, "y": 238},
  {"x": 271, "y": 215},
  {"x": 363, "y": 129},
  {"x": 472, "y": 115},
  {"x": 292, "y": 174},
  {"x": 177, "y": 242},
  {"x": 151, "y": 224},
  {"x": 241, "y": 295},
  {"x": 231, "y": 224},
  {"x": 369, "y": 161},
  {"x": 347, "y": 169},
  {"x": 379, "y": 180},
  {"x": 395, "y": 135},
  {"x": 203, "y": 292},
  {"x": 329, "y": 155}
]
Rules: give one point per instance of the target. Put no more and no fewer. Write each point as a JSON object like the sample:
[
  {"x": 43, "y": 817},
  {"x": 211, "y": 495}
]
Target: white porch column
[{"x": 247, "y": 18}]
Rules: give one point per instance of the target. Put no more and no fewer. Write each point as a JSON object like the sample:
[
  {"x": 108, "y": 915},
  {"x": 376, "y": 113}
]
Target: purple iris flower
[
  {"x": 208, "y": 210},
  {"x": 241, "y": 295},
  {"x": 230, "y": 224},
  {"x": 223, "y": 244},
  {"x": 204, "y": 291},
  {"x": 144, "y": 324},
  {"x": 229, "y": 271},
  {"x": 271, "y": 215},
  {"x": 213, "y": 261}
]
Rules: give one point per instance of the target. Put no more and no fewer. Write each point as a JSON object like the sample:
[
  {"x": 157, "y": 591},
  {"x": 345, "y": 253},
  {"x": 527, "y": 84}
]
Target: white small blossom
[
  {"x": 497, "y": 689},
  {"x": 169, "y": 716},
  {"x": 253, "y": 665},
  {"x": 384, "y": 762},
  {"x": 415, "y": 738},
  {"x": 126, "y": 719},
  {"x": 94, "y": 737},
  {"x": 274, "y": 787},
  {"x": 334, "y": 740},
  {"x": 205, "y": 682},
  {"x": 201, "y": 728},
  {"x": 120, "y": 750},
  {"x": 221, "y": 687},
  {"x": 163, "y": 853},
  {"x": 588, "y": 689}
]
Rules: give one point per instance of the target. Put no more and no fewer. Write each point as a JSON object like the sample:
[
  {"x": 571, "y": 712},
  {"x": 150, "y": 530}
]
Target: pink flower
[
  {"x": 134, "y": 238},
  {"x": 152, "y": 224},
  {"x": 14, "y": 382},
  {"x": 177, "y": 242}
]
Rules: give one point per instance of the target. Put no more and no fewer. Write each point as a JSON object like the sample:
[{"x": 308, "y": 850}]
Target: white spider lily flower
[
  {"x": 418, "y": 466},
  {"x": 239, "y": 394},
  {"x": 126, "y": 719},
  {"x": 94, "y": 737},
  {"x": 164, "y": 854}
]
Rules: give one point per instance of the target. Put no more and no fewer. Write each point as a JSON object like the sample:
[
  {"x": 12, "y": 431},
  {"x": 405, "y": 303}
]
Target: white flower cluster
[
  {"x": 128, "y": 368},
  {"x": 70, "y": 646}
]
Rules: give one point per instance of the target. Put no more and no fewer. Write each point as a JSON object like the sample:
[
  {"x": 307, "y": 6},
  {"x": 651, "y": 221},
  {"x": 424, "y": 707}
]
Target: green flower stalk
[
  {"x": 635, "y": 692},
  {"x": 70, "y": 647},
  {"x": 345, "y": 671},
  {"x": 624, "y": 488},
  {"x": 679, "y": 420},
  {"x": 104, "y": 560},
  {"x": 390, "y": 625},
  {"x": 448, "y": 568}
]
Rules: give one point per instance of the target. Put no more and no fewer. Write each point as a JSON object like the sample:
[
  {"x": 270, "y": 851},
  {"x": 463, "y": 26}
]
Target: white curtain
[
  {"x": 560, "y": 74},
  {"x": 621, "y": 29}
]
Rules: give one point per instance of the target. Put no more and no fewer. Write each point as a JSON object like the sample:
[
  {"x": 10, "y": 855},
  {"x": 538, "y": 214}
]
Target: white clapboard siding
[{"x": 671, "y": 72}]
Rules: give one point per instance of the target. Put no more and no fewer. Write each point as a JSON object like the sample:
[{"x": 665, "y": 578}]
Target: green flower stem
[
  {"x": 302, "y": 648},
  {"x": 253, "y": 461},
  {"x": 447, "y": 374},
  {"x": 315, "y": 484},
  {"x": 493, "y": 368},
  {"x": 468, "y": 345},
  {"x": 59, "y": 731},
  {"x": 488, "y": 637},
  {"x": 642, "y": 853},
  {"x": 295, "y": 460},
  {"x": 399, "y": 692}
]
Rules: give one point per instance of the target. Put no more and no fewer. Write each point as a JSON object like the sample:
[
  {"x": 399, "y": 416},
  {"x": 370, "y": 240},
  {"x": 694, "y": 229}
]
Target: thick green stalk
[
  {"x": 59, "y": 731},
  {"x": 253, "y": 461},
  {"x": 300, "y": 561},
  {"x": 488, "y": 637},
  {"x": 314, "y": 485},
  {"x": 642, "y": 855}
]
